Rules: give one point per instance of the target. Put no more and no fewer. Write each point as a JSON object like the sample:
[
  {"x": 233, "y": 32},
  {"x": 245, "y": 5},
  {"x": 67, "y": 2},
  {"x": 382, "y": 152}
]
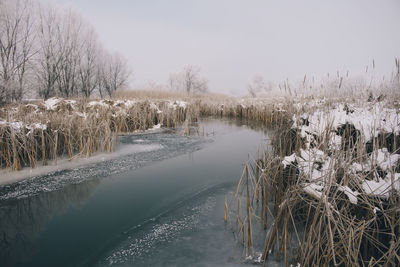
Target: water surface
[{"x": 158, "y": 207}]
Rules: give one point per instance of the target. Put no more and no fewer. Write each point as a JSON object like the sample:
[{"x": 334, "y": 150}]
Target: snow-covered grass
[
  {"x": 42, "y": 130},
  {"x": 332, "y": 184},
  {"x": 46, "y": 130}
]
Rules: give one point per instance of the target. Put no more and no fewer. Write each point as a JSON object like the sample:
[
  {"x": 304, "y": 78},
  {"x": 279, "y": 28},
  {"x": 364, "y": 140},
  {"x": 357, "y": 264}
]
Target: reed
[
  {"x": 36, "y": 133},
  {"x": 332, "y": 219},
  {"x": 311, "y": 221}
]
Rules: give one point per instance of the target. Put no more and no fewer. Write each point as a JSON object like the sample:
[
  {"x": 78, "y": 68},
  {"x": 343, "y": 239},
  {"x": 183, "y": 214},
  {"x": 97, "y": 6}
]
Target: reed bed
[
  {"x": 329, "y": 194},
  {"x": 36, "y": 133}
]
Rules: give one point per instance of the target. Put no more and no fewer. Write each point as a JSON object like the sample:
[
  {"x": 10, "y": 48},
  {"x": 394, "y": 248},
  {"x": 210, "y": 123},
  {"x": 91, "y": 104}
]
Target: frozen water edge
[
  {"x": 9, "y": 176},
  {"x": 130, "y": 154}
]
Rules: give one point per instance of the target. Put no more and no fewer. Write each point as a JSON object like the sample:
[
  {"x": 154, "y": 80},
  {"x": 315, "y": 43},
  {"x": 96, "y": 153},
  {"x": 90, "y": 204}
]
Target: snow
[
  {"x": 384, "y": 159},
  {"x": 175, "y": 104},
  {"x": 69, "y": 101},
  {"x": 313, "y": 190},
  {"x": 82, "y": 115},
  {"x": 36, "y": 126},
  {"x": 32, "y": 105},
  {"x": 181, "y": 104},
  {"x": 155, "y": 127},
  {"x": 352, "y": 195},
  {"x": 51, "y": 103},
  {"x": 17, "y": 125},
  {"x": 76, "y": 163},
  {"x": 127, "y": 103},
  {"x": 369, "y": 120},
  {"x": 158, "y": 126},
  {"x": 288, "y": 160},
  {"x": 383, "y": 186},
  {"x": 97, "y": 103},
  {"x": 380, "y": 188},
  {"x": 155, "y": 107},
  {"x": 315, "y": 165}
]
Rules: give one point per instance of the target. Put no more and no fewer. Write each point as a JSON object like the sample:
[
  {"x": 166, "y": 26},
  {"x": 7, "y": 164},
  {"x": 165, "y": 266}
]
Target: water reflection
[
  {"x": 88, "y": 218},
  {"x": 22, "y": 221}
]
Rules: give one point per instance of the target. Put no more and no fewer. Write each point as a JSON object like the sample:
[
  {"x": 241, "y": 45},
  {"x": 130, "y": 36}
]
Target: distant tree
[
  {"x": 16, "y": 47},
  {"x": 50, "y": 52},
  {"x": 189, "y": 81},
  {"x": 70, "y": 32},
  {"x": 259, "y": 86},
  {"x": 55, "y": 51},
  {"x": 113, "y": 74},
  {"x": 88, "y": 65}
]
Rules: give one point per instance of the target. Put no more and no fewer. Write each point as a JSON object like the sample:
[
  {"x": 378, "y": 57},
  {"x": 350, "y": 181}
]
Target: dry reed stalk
[
  {"x": 329, "y": 230},
  {"x": 79, "y": 129}
]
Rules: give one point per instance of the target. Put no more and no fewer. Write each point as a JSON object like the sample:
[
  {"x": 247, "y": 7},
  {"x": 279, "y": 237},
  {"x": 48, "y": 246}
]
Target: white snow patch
[
  {"x": 175, "y": 104},
  {"x": 380, "y": 188},
  {"x": 313, "y": 190},
  {"x": 384, "y": 159},
  {"x": 97, "y": 103},
  {"x": 51, "y": 103},
  {"x": 288, "y": 160},
  {"x": 352, "y": 195},
  {"x": 155, "y": 127}
]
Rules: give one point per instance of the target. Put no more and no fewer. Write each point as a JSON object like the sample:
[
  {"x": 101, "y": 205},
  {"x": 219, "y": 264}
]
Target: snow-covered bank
[
  {"x": 330, "y": 190},
  {"x": 44, "y": 131},
  {"x": 362, "y": 139},
  {"x": 132, "y": 152},
  {"x": 9, "y": 176},
  {"x": 335, "y": 177}
]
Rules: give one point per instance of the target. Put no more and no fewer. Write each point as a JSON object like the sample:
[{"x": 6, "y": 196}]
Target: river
[{"x": 161, "y": 204}]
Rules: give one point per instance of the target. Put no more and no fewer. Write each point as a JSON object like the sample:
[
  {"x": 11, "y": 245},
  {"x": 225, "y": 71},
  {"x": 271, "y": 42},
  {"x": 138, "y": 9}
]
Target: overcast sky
[{"x": 233, "y": 40}]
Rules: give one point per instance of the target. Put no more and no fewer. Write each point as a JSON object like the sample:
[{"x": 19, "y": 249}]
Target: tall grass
[
  {"x": 327, "y": 227},
  {"x": 32, "y": 134}
]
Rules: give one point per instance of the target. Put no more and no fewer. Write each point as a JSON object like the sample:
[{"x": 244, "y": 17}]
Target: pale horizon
[{"x": 232, "y": 41}]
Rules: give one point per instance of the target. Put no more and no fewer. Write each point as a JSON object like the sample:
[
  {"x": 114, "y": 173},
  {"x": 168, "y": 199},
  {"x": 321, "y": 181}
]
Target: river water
[{"x": 161, "y": 203}]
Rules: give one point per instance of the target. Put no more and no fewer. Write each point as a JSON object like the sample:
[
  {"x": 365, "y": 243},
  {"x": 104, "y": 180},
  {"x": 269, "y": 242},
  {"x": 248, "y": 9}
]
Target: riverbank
[
  {"x": 334, "y": 167},
  {"x": 35, "y": 133},
  {"x": 330, "y": 191},
  {"x": 9, "y": 176}
]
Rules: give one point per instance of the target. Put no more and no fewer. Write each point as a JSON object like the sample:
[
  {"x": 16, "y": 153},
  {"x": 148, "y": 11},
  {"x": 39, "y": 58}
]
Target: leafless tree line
[
  {"x": 188, "y": 81},
  {"x": 49, "y": 52}
]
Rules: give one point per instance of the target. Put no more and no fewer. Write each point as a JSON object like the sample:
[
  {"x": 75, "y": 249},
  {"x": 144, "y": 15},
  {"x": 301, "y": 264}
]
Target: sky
[{"x": 234, "y": 40}]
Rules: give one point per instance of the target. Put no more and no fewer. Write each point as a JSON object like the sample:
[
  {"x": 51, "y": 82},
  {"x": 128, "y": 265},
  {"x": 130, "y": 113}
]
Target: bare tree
[
  {"x": 87, "y": 70},
  {"x": 113, "y": 74},
  {"x": 16, "y": 47},
  {"x": 175, "y": 82},
  {"x": 259, "y": 86},
  {"x": 51, "y": 53},
  {"x": 70, "y": 34},
  {"x": 58, "y": 49},
  {"x": 189, "y": 81}
]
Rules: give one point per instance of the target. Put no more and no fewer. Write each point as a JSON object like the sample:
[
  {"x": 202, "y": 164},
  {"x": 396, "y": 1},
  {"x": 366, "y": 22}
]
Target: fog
[{"x": 233, "y": 40}]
